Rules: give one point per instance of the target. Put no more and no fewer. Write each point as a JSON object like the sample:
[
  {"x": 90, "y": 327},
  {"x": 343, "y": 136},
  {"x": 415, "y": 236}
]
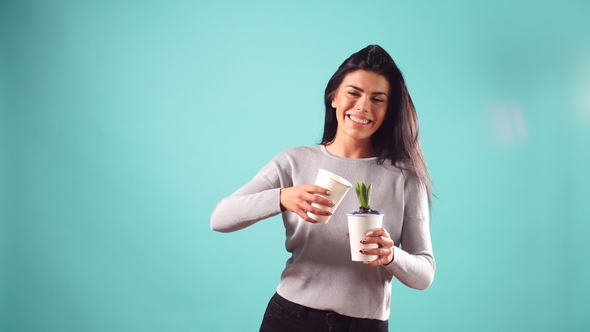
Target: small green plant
[{"x": 363, "y": 193}]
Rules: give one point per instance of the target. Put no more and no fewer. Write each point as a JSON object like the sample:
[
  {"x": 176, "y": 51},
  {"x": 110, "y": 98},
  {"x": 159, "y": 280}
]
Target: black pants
[{"x": 286, "y": 316}]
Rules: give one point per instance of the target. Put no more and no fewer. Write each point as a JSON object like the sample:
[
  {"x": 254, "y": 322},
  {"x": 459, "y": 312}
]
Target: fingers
[
  {"x": 304, "y": 196},
  {"x": 384, "y": 249},
  {"x": 320, "y": 201},
  {"x": 307, "y": 218},
  {"x": 299, "y": 200},
  {"x": 378, "y": 232},
  {"x": 379, "y": 236},
  {"x": 384, "y": 256},
  {"x": 312, "y": 188},
  {"x": 303, "y": 214},
  {"x": 376, "y": 251},
  {"x": 382, "y": 260},
  {"x": 319, "y": 195}
]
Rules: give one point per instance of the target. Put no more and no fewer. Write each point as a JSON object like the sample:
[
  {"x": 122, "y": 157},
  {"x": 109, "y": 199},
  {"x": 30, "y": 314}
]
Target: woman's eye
[
  {"x": 379, "y": 100},
  {"x": 353, "y": 93}
]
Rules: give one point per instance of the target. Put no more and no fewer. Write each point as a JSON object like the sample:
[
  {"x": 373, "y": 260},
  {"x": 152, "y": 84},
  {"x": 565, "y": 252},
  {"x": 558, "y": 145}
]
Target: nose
[{"x": 363, "y": 104}]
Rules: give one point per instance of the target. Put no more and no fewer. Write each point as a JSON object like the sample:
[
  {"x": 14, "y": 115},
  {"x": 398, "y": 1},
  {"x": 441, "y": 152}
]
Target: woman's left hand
[{"x": 385, "y": 246}]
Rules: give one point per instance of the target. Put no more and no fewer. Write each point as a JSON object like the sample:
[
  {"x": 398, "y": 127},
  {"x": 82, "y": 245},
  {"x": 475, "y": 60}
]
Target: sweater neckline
[{"x": 327, "y": 153}]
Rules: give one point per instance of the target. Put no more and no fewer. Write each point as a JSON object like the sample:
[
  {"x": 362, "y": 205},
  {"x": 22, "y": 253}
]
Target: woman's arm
[
  {"x": 258, "y": 199},
  {"x": 413, "y": 264},
  {"x": 269, "y": 193}
]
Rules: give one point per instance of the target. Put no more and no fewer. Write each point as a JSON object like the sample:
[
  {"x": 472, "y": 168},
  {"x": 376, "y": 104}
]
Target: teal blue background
[{"x": 123, "y": 123}]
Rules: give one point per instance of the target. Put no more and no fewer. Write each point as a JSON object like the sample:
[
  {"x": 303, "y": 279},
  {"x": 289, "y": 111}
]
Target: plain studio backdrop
[{"x": 123, "y": 123}]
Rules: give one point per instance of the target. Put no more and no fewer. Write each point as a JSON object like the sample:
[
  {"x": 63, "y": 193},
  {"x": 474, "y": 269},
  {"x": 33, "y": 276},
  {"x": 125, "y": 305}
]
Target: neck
[{"x": 352, "y": 148}]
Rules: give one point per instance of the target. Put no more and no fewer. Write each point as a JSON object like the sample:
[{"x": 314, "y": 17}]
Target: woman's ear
[{"x": 333, "y": 97}]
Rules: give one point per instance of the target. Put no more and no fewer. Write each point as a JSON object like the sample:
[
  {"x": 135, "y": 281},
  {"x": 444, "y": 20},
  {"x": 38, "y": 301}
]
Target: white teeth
[{"x": 358, "y": 120}]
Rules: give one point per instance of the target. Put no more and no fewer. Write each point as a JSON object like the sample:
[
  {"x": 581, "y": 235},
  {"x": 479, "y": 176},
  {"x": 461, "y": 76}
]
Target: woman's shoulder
[
  {"x": 297, "y": 152},
  {"x": 399, "y": 169},
  {"x": 412, "y": 182},
  {"x": 292, "y": 160}
]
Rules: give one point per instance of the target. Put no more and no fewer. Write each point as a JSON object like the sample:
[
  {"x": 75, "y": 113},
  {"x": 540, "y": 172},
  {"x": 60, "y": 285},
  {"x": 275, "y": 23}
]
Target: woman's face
[{"x": 360, "y": 103}]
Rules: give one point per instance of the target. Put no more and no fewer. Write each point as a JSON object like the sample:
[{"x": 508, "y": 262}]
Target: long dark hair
[{"x": 397, "y": 139}]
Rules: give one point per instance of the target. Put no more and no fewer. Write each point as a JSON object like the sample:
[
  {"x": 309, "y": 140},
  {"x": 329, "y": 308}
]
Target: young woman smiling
[{"x": 370, "y": 135}]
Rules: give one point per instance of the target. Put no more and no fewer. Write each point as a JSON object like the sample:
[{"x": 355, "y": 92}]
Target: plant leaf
[
  {"x": 357, "y": 188},
  {"x": 363, "y": 194}
]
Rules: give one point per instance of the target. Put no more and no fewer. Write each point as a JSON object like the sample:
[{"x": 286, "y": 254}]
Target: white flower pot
[{"x": 358, "y": 226}]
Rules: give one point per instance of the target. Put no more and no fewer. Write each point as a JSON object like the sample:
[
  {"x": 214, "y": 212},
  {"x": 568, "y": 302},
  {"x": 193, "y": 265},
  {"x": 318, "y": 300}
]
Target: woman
[{"x": 370, "y": 135}]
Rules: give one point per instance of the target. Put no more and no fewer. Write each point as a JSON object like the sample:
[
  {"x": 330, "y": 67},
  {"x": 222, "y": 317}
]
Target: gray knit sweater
[{"x": 320, "y": 273}]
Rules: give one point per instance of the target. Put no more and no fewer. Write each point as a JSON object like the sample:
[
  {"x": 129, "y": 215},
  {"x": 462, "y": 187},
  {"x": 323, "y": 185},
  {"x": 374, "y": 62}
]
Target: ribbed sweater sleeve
[
  {"x": 414, "y": 263},
  {"x": 257, "y": 200}
]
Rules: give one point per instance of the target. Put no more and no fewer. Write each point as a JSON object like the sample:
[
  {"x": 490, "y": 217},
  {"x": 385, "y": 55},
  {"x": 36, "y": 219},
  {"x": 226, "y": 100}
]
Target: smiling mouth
[{"x": 358, "y": 120}]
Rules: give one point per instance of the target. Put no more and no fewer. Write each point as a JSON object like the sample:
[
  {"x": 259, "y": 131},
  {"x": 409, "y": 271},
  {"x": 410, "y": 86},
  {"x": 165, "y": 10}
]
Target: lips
[{"x": 359, "y": 119}]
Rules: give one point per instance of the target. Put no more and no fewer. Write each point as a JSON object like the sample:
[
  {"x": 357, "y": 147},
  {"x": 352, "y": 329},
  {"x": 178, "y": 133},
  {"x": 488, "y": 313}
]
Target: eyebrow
[{"x": 361, "y": 90}]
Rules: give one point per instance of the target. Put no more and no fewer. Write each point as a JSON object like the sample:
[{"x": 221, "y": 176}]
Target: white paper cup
[
  {"x": 358, "y": 226},
  {"x": 334, "y": 183}
]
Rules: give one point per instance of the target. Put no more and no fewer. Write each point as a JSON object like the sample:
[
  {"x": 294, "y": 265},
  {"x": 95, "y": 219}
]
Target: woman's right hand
[{"x": 298, "y": 200}]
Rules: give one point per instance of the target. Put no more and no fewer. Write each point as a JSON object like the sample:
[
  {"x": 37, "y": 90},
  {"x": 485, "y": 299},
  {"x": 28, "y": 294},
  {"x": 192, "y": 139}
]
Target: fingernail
[
  {"x": 365, "y": 262},
  {"x": 328, "y": 213},
  {"x": 363, "y": 251},
  {"x": 329, "y": 193},
  {"x": 332, "y": 204},
  {"x": 369, "y": 234},
  {"x": 364, "y": 241}
]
